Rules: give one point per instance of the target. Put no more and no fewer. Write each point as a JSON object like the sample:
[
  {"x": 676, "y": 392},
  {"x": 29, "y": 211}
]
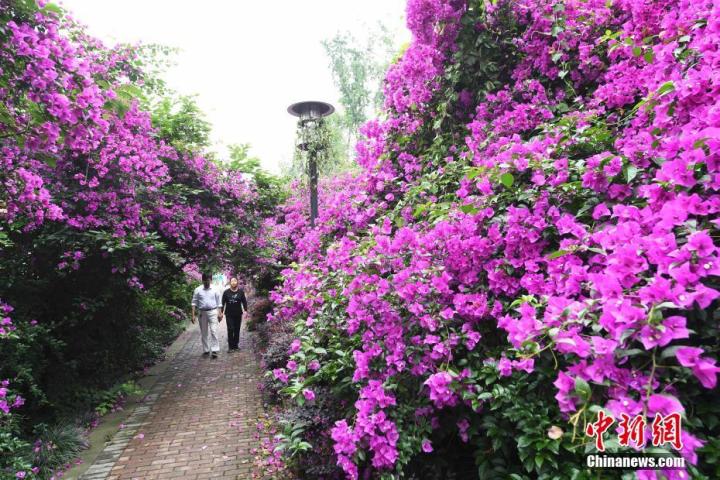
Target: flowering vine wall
[{"x": 536, "y": 217}]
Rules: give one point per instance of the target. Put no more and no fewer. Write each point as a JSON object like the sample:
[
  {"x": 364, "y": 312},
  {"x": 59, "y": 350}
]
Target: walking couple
[{"x": 212, "y": 307}]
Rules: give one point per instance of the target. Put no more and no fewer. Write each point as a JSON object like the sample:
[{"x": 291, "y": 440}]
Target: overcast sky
[{"x": 247, "y": 60}]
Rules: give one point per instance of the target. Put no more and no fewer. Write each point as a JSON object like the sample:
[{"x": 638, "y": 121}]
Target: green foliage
[
  {"x": 358, "y": 71},
  {"x": 181, "y": 122},
  {"x": 110, "y": 398},
  {"x": 270, "y": 188},
  {"x": 151, "y": 62},
  {"x": 14, "y": 452},
  {"x": 324, "y": 140}
]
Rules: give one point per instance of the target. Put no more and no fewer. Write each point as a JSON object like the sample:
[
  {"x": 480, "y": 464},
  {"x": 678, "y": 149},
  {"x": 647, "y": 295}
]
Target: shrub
[
  {"x": 57, "y": 446},
  {"x": 305, "y": 435},
  {"x": 259, "y": 310},
  {"x": 109, "y": 400},
  {"x": 273, "y": 360},
  {"x": 14, "y": 451}
]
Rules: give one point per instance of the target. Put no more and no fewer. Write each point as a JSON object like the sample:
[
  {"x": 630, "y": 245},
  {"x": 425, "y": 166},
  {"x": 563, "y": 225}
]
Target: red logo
[
  {"x": 665, "y": 429},
  {"x": 598, "y": 428},
  {"x": 632, "y": 431}
]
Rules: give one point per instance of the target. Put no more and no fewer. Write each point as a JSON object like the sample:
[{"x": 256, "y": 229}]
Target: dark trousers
[{"x": 233, "y": 327}]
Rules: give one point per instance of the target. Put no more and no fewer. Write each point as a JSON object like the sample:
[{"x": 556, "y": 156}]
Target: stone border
[{"x": 103, "y": 463}]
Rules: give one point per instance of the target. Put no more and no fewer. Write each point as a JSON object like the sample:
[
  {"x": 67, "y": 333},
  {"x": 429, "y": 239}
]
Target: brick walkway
[{"x": 197, "y": 421}]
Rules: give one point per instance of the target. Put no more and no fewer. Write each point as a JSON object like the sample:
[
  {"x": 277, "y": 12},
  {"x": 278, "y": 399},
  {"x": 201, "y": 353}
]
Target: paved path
[{"x": 197, "y": 422}]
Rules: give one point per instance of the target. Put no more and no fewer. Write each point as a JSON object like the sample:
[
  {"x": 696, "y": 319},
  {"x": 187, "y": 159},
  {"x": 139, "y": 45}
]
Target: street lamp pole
[
  {"x": 313, "y": 171},
  {"x": 310, "y": 112}
]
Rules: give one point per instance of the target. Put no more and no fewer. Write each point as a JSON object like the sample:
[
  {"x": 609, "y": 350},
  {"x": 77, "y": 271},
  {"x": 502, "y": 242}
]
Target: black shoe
[
  {"x": 214, "y": 355},
  {"x": 205, "y": 354}
]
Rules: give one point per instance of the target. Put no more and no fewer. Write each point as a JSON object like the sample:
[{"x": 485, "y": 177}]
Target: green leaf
[
  {"x": 50, "y": 160},
  {"x": 419, "y": 210},
  {"x": 6, "y": 117},
  {"x": 469, "y": 209},
  {"x": 558, "y": 253},
  {"x": 523, "y": 441},
  {"x": 474, "y": 172},
  {"x": 649, "y": 56},
  {"x": 631, "y": 352},
  {"x": 507, "y": 179},
  {"x": 631, "y": 172},
  {"x": 637, "y": 51},
  {"x": 582, "y": 388},
  {"x": 51, "y": 7},
  {"x": 129, "y": 92},
  {"x": 670, "y": 351},
  {"x": 665, "y": 88},
  {"x": 5, "y": 240}
]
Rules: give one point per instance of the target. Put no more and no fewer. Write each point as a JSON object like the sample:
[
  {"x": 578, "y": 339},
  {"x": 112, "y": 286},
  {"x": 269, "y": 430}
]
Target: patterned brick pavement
[{"x": 197, "y": 421}]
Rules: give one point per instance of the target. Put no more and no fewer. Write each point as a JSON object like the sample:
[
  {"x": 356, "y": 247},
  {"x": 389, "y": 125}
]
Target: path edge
[{"x": 97, "y": 465}]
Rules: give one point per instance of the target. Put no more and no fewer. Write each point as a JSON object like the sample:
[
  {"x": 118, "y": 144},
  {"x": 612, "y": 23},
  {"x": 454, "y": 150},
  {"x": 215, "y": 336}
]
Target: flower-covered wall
[{"x": 532, "y": 238}]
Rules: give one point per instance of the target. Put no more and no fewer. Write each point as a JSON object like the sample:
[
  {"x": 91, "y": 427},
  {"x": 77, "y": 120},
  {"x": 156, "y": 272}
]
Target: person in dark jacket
[{"x": 233, "y": 305}]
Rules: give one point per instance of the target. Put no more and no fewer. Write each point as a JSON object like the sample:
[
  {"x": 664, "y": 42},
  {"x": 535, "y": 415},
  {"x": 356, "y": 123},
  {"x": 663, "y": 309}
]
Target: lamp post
[{"x": 309, "y": 112}]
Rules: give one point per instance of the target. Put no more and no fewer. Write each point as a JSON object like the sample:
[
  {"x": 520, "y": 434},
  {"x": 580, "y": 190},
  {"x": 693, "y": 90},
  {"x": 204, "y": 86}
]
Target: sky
[{"x": 246, "y": 60}]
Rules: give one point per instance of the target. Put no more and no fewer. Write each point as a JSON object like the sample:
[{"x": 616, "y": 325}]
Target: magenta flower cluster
[
  {"x": 78, "y": 149},
  {"x": 6, "y": 323}
]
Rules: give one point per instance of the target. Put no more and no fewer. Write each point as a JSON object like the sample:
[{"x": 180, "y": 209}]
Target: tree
[
  {"x": 181, "y": 122},
  {"x": 358, "y": 71},
  {"x": 270, "y": 188}
]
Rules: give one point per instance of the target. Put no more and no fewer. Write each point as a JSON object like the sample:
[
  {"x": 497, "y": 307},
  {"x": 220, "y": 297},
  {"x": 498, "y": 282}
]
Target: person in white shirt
[{"x": 207, "y": 301}]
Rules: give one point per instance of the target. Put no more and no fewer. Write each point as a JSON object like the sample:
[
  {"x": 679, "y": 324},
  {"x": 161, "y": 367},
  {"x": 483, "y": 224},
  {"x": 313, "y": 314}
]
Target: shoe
[
  {"x": 205, "y": 354},
  {"x": 214, "y": 355}
]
